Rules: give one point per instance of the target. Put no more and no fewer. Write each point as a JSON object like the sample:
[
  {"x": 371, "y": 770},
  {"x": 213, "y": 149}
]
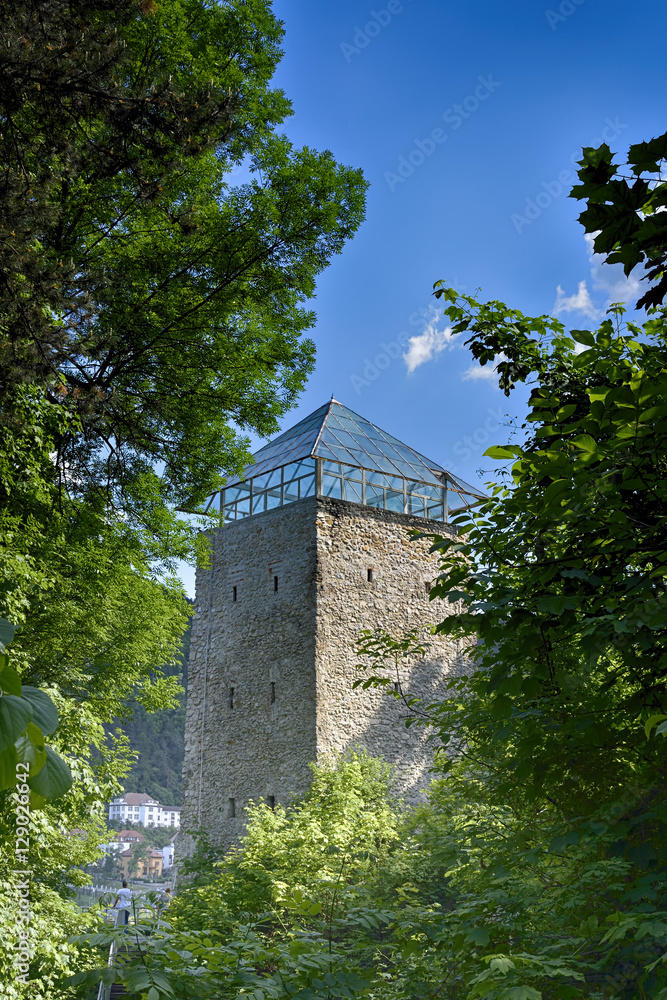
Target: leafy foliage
[
  {"x": 148, "y": 300},
  {"x": 562, "y": 578},
  {"x": 626, "y": 213},
  {"x": 157, "y": 739},
  {"x": 27, "y": 715},
  {"x": 150, "y": 313}
]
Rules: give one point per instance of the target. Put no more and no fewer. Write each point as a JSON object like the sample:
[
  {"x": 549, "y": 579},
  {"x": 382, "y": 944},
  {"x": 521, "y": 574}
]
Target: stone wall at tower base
[{"x": 273, "y": 656}]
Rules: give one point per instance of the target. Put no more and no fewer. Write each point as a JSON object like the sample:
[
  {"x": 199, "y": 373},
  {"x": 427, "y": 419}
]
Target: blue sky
[{"x": 466, "y": 119}]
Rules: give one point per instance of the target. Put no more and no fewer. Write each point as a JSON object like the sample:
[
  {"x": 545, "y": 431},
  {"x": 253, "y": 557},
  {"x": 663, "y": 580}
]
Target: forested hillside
[{"x": 158, "y": 738}]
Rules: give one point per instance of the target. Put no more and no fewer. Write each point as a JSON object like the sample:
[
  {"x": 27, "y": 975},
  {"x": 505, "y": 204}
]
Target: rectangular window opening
[
  {"x": 231, "y": 812},
  {"x": 271, "y": 799},
  {"x": 397, "y": 687},
  {"x": 369, "y": 575},
  {"x": 275, "y": 584},
  {"x": 273, "y": 692},
  {"x": 234, "y": 593},
  {"x": 231, "y": 697}
]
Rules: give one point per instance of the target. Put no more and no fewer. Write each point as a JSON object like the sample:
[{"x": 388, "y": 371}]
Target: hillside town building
[
  {"x": 137, "y": 807},
  {"x": 313, "y": 546}
]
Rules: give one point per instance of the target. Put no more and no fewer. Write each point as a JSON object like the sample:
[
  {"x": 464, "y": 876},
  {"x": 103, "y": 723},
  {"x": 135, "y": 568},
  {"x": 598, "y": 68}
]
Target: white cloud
[
  {"x": 606, "y": 279},
  {"x": 580, "y": 302},
  {"x": 486, "y": 373},
  {"x": 609, "y": 278},
  {"x": 427, "y": 344}
]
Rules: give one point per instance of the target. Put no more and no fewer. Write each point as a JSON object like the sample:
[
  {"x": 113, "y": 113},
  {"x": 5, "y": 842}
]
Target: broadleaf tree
[
  {"x": 557, "y": 582},
  {"x": 160, "y": 241}
]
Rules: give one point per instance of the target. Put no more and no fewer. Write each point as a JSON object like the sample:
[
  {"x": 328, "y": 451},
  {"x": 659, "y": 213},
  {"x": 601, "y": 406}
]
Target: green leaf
[
  {"x": 7, "y": 631},
  {"x": 651, "y": 722},
  {"x": 30, "y": 748},
  {"x": 501, "y": 963},
  {"x": 520, "y": 993},
  {"x": 54, "y": 779},
  {"x": 8, "y": 762},
  {"x": 556, "y": 489},
  {"x": 478, "y": 935},
  {"x": 15, "y": 714},
  {"x": 152, "y": 994},
  {"x": 583, "y": 337},
  {"x": 45, "y": 713},
  {"x": 585, "y": 442},
  {"x": 10, "y": 682},
  {"x": 503, "y": 451}
]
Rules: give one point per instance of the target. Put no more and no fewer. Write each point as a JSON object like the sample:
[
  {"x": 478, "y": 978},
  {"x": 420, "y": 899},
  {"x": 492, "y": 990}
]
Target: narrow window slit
[
  {"x": 271, "y": 799},
  {"x": 231, "y": 697},
  {"x": 234, "y": 593},
  {"x": 273, "y": 692},
  {"x": 232, "y": 808},
  {"x": 275, "y": 583},
  {"x": 369, "y": 575}
]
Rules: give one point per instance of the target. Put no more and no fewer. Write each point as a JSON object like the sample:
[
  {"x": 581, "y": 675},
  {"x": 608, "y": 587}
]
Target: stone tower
[{"x": 313, "y": 546}]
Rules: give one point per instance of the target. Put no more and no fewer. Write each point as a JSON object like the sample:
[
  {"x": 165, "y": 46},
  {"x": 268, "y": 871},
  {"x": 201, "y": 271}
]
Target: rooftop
[
  {"x": 338, "y": 453},
  {"x": 134, "y": 799}
]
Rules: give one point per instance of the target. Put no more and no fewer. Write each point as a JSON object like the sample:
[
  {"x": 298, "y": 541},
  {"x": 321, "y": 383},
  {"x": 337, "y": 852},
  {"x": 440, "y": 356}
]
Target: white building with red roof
[{"x": 138, "y": 807}]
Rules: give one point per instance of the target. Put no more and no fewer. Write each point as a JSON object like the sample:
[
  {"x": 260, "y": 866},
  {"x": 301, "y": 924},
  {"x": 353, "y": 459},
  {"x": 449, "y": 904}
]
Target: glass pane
[
  {"x": 243, "y": 507},
  {"x": 393, "y": 482},
  {"x": 374, "y": 496},
  {"x": 291, "y": 492},
  {"x": 404, "y": 467},
  {"x": 258, "y": 503},
  {"x": 236, "y": 492},
  {"x": 395, "y": 501},
  {"x": 336, "y": 453},
  {"x": 361, "y": 460},
  {"x": 435, "y": 511},
  {"x": 298, "y": 469},
  {"x": 345, "y": 439},
  {"x": 307, "y": 488},
  {"x": 352, "y": 491},
  {"x": 332, "y": 486},
  {"x": 342, "y": 420},
  {"x": 272, "y": 501},
  {"x": 415, "y": 505},
  {"x": 370, "y": 448},
  {"x": 268, "y": 479},
  {"x": 466, "y": 487},
  {"x": 332, "y": 467}
]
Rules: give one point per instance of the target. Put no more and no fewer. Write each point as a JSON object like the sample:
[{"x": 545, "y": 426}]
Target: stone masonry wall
[
  {"x": 289, "y": 655},
  {"x": 263, "y": 646},
  {"x": 351, "y": 540}
]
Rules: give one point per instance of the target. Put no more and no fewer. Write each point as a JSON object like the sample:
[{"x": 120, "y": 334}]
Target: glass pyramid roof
[{"x": 337, "y": 434}]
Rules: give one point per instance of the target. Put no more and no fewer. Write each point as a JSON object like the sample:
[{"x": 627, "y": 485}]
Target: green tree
[
  {"x": 140, "y": 854},
  {"x": 562, "y": 578},
  {"x": 144, "y": 295},
  {"x": 158, "y": 740},
  {"x": 551, "y": 818},
  {"x": 625, "y": 210}
]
